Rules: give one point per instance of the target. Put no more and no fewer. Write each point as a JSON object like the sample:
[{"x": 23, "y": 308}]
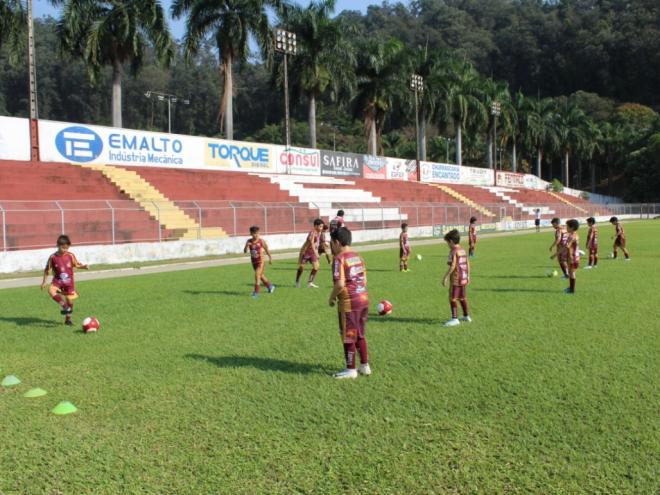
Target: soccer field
[{"x": 193, "y": 387}]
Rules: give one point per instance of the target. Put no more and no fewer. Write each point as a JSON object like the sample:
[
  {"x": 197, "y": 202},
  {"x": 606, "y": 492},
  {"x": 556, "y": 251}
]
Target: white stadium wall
[{"x": 14, "y": 139}]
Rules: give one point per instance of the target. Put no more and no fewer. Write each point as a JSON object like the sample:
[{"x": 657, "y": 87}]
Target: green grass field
[{"x": 193, "y": 387}]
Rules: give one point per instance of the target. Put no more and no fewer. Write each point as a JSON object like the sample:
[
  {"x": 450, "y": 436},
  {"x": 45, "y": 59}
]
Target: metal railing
[{"x": 36, "y": 224}]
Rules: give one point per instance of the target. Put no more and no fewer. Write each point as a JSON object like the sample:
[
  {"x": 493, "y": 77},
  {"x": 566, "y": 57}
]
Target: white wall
[{"x": 14, "y": 139}]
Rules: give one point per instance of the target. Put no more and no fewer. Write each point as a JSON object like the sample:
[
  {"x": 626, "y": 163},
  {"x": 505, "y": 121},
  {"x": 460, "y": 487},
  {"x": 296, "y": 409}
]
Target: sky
[{"x": 43, "y": 8}]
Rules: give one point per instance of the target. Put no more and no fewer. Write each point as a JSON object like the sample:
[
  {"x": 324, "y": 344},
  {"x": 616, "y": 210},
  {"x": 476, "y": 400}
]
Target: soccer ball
[
  {"x": 581, "y": 253},
  {"x": 551, "y": 273},
  {"x": 384, "y": 308},
  {"x": 90, "y": 324},
  {"x": 419, "y": 257}
]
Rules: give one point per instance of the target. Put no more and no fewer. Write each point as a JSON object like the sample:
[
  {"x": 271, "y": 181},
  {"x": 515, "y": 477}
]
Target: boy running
[
  {"x": 309, "y": 253},
  {"x": 350, "y": 293},
  {"x": 559, "y": 246},
  {"x": 404, "y": 248},
  {"x": 472, "y": 236},
  {"x": 619, "y": 239},
  {"x": 459, "y": 275},
  {"x": 257, "y": 247},
  {"x": 573, "y": 253},
  {"x": 62, "y": 288},
  {"x": 592, "y": 243}
]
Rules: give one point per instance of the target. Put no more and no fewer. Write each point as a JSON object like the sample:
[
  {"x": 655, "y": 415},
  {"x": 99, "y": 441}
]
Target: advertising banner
[
  {"x": 297, "y": 161},
  {"x": 399, "y": 169},
  {"x": 341, "y": 164},
  {"x": 509, "y": 179},
  {"x": 375, "y": 167},
  {"x": 533, "y": 182},
  {"x": 236, "y": 155},
  {"x": 476, "y": 176},
  {"x": 14, "y": 139},
  {"x": 440, "y": 172}
]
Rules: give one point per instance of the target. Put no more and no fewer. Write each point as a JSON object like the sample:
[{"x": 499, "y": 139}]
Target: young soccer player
[
  {"x": 62, "y": 288},
  {"x": 559, "y": 246},
  {"x": 309, "y": 253},
  {"x": 324, "y": 243},
  {"x": 458, "y": 274},
  {"x": 592, "y": 243},
  {"x": 404, "y": 248},
  {"x": 472, "y": 236},
  {"x": 573, "y": 253},
  {"x": 537, "y": 219},
  {"x": 257, "y": 247},
  {"x": 619, "y": 239},
  {"x": 350, "y": 294},
  {"x": 337, "y": 222}
]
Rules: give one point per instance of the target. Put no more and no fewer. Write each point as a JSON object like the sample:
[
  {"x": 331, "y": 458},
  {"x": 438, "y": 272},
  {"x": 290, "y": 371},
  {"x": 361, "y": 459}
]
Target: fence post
[
  {"x": 382, "y": 217},
  {"x": 293, "y": 214},
  {"x": 57, "y": 203},
  {"x": 265, "y": 219},
  {"x": 199, "y": 215},
  {"x": 112, "y": 219},
  {"x": 160, "y": 234},
  {"x": 234, "y": 212},
  {"x": 364, "y": 224},
  {"x": 4, "y": 228}
]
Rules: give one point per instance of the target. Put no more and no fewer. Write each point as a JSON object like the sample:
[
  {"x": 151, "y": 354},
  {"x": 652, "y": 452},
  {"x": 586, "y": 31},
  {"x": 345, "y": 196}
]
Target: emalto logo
[{"x": 79, "y": 144}]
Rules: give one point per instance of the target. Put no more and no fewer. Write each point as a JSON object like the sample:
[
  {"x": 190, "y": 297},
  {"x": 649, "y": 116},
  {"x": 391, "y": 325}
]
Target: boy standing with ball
[
  {"x": 350, "y": 294},
  {"x": 257, "y": 247},
  {"x": 573, "y": 253},
  {"x": 592, "y": 243},
  {"x": 559, "y": 246},
  {"x": 404, "y": 248},
  {"x": 458, "y": 274},
  {"x": 309, "y": 253}
]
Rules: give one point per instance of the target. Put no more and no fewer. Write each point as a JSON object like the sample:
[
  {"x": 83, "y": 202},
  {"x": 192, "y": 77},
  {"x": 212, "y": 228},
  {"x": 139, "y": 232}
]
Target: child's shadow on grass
[
  {"x": 29, "y": 321},
  {"x": 260, "y": 363},
  {"x": 516, "y": 290},
  {"x": 376, "y": 318},
  {"x": 512, "y": 276},
  {"x": 217, "y": 292}
]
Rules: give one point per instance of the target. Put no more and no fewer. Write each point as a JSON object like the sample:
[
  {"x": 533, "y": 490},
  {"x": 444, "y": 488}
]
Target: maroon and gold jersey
[
  {"x": 61, "y": 266},
  {"x": 311, "y": 245},
  {"x": 256, "y": 249},
  {"x": 620, "y": 234},
  {"x": 592, "y": 237},
  {"x": 350, "y": 268},
  {"x": 473, "y": 233},
  {"x": 572, "y": 246},
  {"x": 336, "y": 223},
  {"x": 459, "y": 261}
]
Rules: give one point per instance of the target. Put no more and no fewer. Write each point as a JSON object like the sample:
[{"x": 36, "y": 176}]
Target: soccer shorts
[
  {"x": 353, "y": 324},
  {"x": 593, "y": 249},
  {"x": 66, "y": 289},
  {"x": 620, "y": 242},
  {"x": 458, "y": 292},
  {"x": 258, "y": 264},
  {"x": 309, "y": 257},
  {"x": 404, "y": 253},
  {"x": 537, "y": 222}
]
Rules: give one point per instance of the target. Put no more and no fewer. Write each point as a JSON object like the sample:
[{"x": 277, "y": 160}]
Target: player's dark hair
[
  {"x": 404, "y": 225},
  {"x": 573, "y": 224},
  {"x": 591, "y": 220},
  {"x": 63, "y": 240},
  {"x": 340, "y": 213},
  {"x": 555, "y": 221},
  {"x": 318, "y": 221},
  {"x": 254, "y": 229},
  {"x": 453, "y": 236},
  {"x": 614, "y": 220},
  {"x": 325, "y": 227},
  {"x": 343, "y": 236},
  {"x": 473, "y": 219}
]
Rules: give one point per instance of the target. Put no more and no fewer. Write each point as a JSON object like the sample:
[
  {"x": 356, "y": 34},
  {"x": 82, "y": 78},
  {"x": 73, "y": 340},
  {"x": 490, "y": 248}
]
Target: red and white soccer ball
[
  {"x": 384, "y": 308},
  {"x": 90, "y": 325}
]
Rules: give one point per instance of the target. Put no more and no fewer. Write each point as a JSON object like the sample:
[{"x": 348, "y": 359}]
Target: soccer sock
[
  {"x": 595, "y": 259},
  {"x": 614, "y": 254},
  {"x": 349, "y": 352},
  {"x": 59, "y": 300},
  {"x": 401, "y": 266},
  {"x": 265, "y": 281},
  {"x": 626, "y": 254},
  {"x": 70, "y": 306},
  {"x": 299, "y": 274},
  {"x": 572, "y": 284},
  {"x": 454, "y": 308},
  {"x": 312, "y": 275},
  {"x": 257, "y": 287},
  {"x": 564, "y": 269},
  {"x": 464, "y": 305},
  {"x": 362, "y": 349}
]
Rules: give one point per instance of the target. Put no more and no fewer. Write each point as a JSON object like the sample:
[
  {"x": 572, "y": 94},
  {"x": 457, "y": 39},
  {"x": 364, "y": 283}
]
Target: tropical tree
[
  {"x": 495, "y": 92},
  {"x": 541, "y": 131},
  {"x": 114, "y": 33},
  {"x": 569, "y": 124},
  {"x": 230, "y": 23},
  {"x": 378, "y": 81},
  {"x": 12, "y": 23},
  {"x": 325, "y": 60},
  {"x": 459, "y": 101}
]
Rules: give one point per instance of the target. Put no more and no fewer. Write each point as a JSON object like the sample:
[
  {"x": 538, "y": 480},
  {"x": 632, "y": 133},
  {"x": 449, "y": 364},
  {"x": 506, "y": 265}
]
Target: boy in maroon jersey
[
  {"x": 559, "y": 246},
  {"x": 324, "y": 243},
  {"x": 573, "y": 253},
  {"x": 309, "y": 254},
  {"x": 619, "y": 239},
  {"x": 404, "y": 248},
  {"x": 257, "y": 247},
  {"x": 62, "y": 288},
  {"x": 337, "y": 222},
  {"x": 349, "y": 274},
  {"x": 592, "y": 243},
  {"x": 472, "y": 236},
  {"x": 459, "y": 274}
]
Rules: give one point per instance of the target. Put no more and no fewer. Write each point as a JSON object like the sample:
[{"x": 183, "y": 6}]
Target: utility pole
[
  {"x": 417, "y": 86},
  {"x": 32, "y": 70},
  {"x": 285, "y": 43},
  {"x": 496, "y": 110}
]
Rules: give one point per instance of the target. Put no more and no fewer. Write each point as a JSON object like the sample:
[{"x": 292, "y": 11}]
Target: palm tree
[
  {"x": 231, "y": 22},
  {"x": 325, "y": 59},
  {"x": 517, "y": 126},
  {"x": 114, "y": 33},
  {"x": 459, "y": 101},
  {"x": 12, "y": 25},
  {"x": 378, "y": 81},
  {"x": 591, "y": 145},
  {"x": 569, "y": 121},
  {"x": 541, "y": 131}
]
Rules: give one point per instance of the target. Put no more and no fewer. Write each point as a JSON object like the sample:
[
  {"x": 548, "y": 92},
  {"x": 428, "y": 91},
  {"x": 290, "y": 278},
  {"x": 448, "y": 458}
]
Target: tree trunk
[
  {"x": 228, "y": 97},
  {"x": 539, "y": 161},
  {"x": 459, "y": 144},
  {"x": 489, "y": 145},
  {"x": 566, "y": 170},
  {"x": 116, "y": 94},
  {"x": 373, "y": 136},
  {"x": 312, "y": 119},
  {"x": 514, "y": 158},
  {"x": 422, "y": 134}
]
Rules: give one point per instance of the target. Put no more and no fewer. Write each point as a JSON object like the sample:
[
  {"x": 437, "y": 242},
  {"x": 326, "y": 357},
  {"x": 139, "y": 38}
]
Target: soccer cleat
[
  {"x": 312, "y": 285},
  {"x": 66, "y": 310},
  {"x": 454, "y": 322},
  {"x": 627, "y": 259},
  {"x": 298, "y": 284},
  {"x": 271, "y": 288},
  {"x": 565, "y": 277},
  {"x": 588, "y": 267},
  {"x": 345, "y": 374},
  {"x": 364, "y": 369},
  {"x": 466, "y": 319},
  {"x": 569, "y": 291},
  {"x": 68, "y": 323},
  {"x": 255, "y": 295}
]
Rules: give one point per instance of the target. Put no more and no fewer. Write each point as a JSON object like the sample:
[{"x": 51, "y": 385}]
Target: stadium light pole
[
  {"x": 334, "y": 134},
  {"x": 32, "y": 70},
  {"x": 170, "y": 99},
  {"x": 496, "y": 111},
  {"x": 285, "y": 43},
  {"x": 417, "y": 87}
]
